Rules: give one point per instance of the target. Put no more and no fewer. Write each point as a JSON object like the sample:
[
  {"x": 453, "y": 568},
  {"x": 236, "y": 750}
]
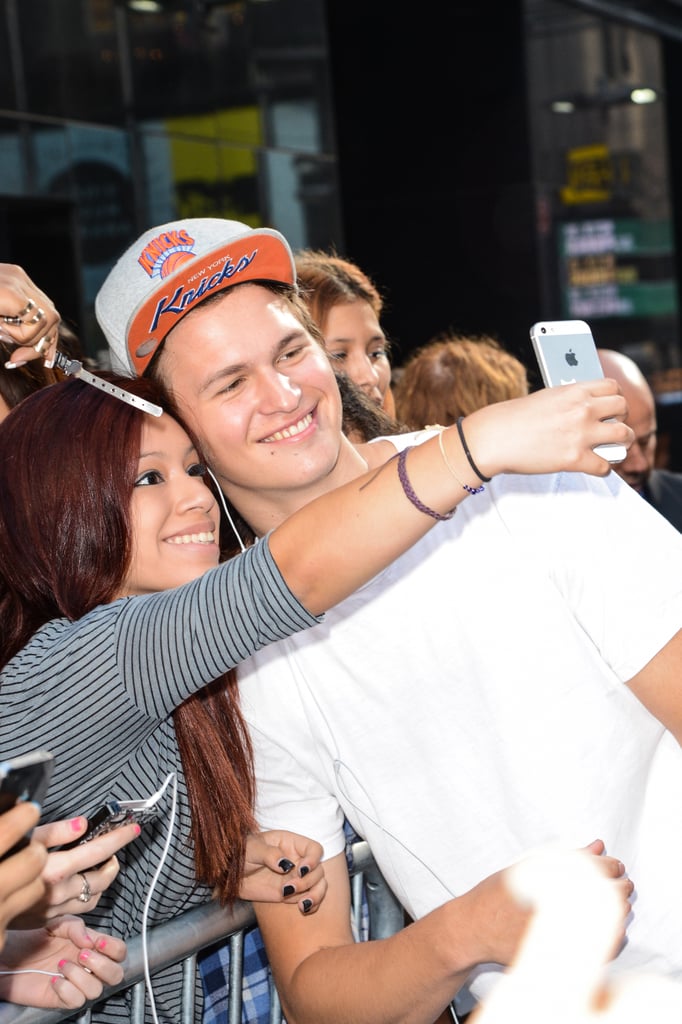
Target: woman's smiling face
[{"x": 175, "y": 515}]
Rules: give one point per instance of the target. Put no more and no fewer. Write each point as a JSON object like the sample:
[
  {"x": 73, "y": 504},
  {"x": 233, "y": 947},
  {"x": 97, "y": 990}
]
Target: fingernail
[
  {"x": 303, "y": 871},
  {"x": 15, "y": 366},
  {"x": 138, "y": 829},
  {"x": 77, "y": 824},
  {"x": 61, "y": 964},
  {"x": 55, "y": 978},
  {"x": 102, "y": 944},
  {"x": 84, "y": 954},
  {"x": 288, "y": 890},
  {"x": 306, "y": 905},
  {"x": 285, "y": 865}
]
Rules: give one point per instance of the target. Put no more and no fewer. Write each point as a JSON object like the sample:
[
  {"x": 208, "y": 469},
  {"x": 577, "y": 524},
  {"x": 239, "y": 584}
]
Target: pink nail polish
[
  {"x": 102, "y": 944},
  {"x": 138, "y": 829},
  {"x": 76, "y": 824},
  {"x": 61, "y": 964},
  {"x": 84, "y": 954}
]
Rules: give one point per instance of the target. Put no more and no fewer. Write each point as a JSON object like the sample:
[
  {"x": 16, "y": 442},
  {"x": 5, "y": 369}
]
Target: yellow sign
[{"x": 592, "y": 173}]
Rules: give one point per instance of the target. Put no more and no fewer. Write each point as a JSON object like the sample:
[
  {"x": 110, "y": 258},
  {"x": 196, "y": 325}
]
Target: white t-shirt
[{"x": 467, "y": 705}]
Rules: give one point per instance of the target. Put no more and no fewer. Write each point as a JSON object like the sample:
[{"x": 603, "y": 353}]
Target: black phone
[
  {"x": 114, "y": 813},
  {"x": 25, "y": 777},
  {"x": 109, "y": 816}
]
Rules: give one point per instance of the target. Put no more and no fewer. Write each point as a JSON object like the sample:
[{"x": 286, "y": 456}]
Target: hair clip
[{"x": 73, "y": 368}]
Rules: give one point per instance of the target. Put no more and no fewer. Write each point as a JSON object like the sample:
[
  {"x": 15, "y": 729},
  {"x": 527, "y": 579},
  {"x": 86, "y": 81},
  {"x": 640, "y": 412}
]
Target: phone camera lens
[{"x": 543, "y": 330}]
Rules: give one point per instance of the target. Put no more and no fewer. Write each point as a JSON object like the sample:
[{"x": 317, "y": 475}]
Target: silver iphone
[{"x": 566, "y": 352}]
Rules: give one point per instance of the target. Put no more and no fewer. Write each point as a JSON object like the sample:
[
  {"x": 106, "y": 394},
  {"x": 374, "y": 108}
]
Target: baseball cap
[{"x": 170, "y": 269}]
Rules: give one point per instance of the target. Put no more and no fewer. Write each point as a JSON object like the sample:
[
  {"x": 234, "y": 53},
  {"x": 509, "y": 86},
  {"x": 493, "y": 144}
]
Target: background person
[
  {"x": 454, "y": 374},
  {"x": 346, "y": 305},
  {"x": 662, "y": 488}
]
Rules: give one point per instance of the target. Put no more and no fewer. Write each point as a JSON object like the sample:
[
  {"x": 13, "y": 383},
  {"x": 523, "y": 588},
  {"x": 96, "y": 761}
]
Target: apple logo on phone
[{"x": 571, "y": 358}]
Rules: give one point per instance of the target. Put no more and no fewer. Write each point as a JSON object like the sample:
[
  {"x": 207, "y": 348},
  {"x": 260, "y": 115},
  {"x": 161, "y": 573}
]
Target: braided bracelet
[
  {"x": 409, "y": 490},
  {"x": 471, "y": 490},
  {"x": 465, "y": 446}
]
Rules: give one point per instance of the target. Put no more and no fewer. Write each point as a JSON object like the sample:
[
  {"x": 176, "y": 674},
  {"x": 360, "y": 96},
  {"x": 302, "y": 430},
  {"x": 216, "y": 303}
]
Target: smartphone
[
  {"x": 25, "y": 777},
  {"x": 566, "y": 352},
  {"x": 109, "y": 816},
  {"x": 119, "y": 812}
]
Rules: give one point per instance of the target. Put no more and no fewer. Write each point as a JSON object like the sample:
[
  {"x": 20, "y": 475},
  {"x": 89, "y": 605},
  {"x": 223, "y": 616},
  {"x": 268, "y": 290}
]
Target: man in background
[{"x": 661, "y": 487}]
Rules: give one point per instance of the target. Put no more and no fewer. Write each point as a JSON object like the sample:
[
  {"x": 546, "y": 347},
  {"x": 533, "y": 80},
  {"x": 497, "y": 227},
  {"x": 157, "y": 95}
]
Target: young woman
[{"x": 346, "y": 305}]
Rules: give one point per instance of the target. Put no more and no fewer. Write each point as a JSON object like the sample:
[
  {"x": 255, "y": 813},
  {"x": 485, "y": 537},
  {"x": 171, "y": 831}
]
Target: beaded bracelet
[
  {"x": 409, "y": 491},
  {"x": 465, "y": 446},
  {"x": 471, "y": 490}
]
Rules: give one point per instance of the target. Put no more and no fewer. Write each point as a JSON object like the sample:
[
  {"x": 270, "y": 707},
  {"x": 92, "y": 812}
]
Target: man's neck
[{"x": 268, "y": 508}]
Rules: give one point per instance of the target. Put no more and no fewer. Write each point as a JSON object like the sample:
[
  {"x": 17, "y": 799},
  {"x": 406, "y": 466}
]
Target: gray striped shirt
[{"x": 100, "y": 694}]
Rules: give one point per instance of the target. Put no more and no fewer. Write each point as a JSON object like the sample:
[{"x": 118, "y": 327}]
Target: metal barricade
[{"x": 182, "y": 938}]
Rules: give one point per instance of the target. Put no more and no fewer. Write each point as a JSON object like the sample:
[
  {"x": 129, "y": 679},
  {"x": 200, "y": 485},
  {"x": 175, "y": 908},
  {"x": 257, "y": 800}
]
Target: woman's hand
[
  {"x": 283, "y": 867},
  {"x": 548, "y": 431},
  {"x": 77, "y": 963},
  {"x": 64, "y": 870},
  {"x": 28, "y": 318},
  {"x": 21, "y": 884}
]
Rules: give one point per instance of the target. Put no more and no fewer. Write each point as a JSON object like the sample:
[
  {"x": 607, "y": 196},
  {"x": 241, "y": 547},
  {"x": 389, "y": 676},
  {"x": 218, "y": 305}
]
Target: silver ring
[
  {"x": 27, "y": 309},
  {"x": 36, "y": 318},
  {"x": 86, "y": 892},
  {"x": 44, "y": 342},
  {"x": 18, "y": 318}
]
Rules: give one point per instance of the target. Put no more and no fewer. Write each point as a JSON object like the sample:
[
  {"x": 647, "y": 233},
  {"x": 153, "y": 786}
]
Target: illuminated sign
[{"x": 617, "y": 268}]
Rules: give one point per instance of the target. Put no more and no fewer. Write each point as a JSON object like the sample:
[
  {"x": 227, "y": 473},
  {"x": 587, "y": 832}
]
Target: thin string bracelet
[
  {"x": 471, "y": 490},
  {"x": 410, "y": 493},
  {"x": 465, "y": 446}
]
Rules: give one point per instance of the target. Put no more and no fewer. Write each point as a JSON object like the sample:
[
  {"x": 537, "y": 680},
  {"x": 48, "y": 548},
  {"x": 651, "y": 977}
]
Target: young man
[{"x": 505, "y": 684}]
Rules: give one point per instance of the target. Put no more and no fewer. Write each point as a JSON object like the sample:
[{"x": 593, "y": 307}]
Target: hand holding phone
[
  {"x": 566, "y": 352},
  {"x": 115, "y": 813}
]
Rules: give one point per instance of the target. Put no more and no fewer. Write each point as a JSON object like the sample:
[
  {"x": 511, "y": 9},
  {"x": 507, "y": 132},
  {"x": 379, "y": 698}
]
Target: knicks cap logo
[{"x": 166, "y": 253}]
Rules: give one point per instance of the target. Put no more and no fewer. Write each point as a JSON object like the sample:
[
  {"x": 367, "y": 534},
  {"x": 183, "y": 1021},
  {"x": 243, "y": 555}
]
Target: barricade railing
[{"x": 182, "y": 939}]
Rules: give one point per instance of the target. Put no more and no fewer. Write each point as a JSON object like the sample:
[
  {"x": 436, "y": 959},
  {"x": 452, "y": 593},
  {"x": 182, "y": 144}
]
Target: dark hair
[
  {"x": 69, "y": 458},
  {"x": 17, "y": 384},
  {"x": 363, "y": 419}
]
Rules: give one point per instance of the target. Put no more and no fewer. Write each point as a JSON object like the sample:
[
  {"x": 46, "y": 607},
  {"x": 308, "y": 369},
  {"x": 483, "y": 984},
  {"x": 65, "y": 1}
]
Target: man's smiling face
[{"x": 260, "y": 393}]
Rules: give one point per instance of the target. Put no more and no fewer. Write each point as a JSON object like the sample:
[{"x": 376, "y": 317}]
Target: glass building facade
[
  {"x": 514, "y": 175},
  {"x": 118, "y": 115}
]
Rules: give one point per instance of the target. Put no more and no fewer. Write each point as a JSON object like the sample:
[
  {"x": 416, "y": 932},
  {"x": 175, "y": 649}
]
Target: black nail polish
[
  {"x": 306, "y": 905},
  {"x": 288, "y": 890},
  {"x": 285, "y": 864},
  {"x": 303, "y": 871}
]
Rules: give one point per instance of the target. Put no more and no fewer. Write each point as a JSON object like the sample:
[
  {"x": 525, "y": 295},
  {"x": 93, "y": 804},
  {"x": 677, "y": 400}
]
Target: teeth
[
  {"x": 193, "y": 538},
  {"x": 291, "y": 431}
]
